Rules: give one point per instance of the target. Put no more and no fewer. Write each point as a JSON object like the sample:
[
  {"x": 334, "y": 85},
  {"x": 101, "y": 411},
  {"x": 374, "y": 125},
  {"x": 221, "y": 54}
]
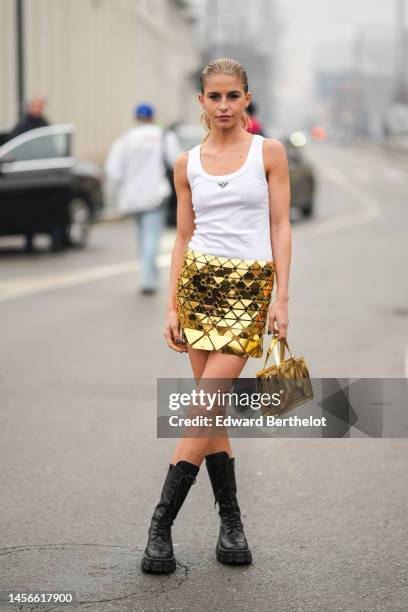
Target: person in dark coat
[{"x": 33, "y": 118}]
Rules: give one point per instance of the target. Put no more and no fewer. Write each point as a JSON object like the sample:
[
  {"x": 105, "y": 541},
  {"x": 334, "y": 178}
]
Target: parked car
[
  {"x": 302, "y": 180},
  {"x": 4, "y": 136},
  {"x": 44, "y": 189},
  {"x": 301, "y": 175}
]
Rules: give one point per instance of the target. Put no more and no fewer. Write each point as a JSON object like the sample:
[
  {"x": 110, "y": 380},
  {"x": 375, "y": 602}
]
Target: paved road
[{"x": 82, "y": 467}]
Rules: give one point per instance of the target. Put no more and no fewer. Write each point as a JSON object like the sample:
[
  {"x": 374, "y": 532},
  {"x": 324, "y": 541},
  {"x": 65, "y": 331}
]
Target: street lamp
[
  {"x": 20, "y": 57},
  {"x": 401, "y": 60}
]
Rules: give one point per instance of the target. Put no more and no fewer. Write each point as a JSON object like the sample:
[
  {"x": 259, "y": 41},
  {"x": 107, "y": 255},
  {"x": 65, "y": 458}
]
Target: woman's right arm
[{"x": 185, "y": 229}]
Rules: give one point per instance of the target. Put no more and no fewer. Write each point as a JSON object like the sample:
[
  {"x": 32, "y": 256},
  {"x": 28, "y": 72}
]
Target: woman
[{"x": 233, "y": 206}]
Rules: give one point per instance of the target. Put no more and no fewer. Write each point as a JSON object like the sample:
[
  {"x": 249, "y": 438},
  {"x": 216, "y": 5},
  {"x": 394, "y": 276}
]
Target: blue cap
[{"x": 145, "y": 111}]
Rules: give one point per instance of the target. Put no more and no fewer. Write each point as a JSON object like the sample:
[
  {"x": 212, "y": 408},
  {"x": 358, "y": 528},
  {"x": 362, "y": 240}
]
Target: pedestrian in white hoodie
[{"x": 136, "y": 169}]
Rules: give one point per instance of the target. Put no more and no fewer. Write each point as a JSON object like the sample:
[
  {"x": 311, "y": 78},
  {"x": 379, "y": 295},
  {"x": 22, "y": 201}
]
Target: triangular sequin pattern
[{"x": 223, "y": 302}]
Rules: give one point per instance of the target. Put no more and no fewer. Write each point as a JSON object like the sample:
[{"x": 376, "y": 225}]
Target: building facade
[{"x": 94, "y": 60}]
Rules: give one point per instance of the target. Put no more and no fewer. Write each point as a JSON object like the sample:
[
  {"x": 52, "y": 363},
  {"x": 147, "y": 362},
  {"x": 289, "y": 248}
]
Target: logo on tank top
[{"x": 223, "y": 184}]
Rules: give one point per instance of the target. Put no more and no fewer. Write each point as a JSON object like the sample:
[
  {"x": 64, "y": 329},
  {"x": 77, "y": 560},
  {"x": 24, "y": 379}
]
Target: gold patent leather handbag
[{"x": 289, "y": 378}]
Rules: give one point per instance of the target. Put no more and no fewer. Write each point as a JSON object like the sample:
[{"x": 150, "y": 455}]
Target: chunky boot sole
[
  {"x": 233, "y": 557},
  {"x": 175, "y": 489},
  {"x": 158, "y": 566}
]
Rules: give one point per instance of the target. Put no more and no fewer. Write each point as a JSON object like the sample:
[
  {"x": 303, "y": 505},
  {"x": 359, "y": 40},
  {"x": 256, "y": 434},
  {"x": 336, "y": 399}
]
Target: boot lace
[
  {"x": 231, "y": 516},
  {"x": 228, "y": 506},
  {"x": 161, "y": 529}
]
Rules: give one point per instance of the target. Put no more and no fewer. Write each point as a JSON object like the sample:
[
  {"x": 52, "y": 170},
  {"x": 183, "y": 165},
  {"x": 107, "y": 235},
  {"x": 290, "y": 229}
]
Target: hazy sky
[{"x": 306, "y": 24}]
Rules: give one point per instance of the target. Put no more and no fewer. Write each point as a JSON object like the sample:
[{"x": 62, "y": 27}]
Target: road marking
[
  {"x": 388, "y": 175},
  {"x": 392, "y": 175},
  {"x": 23, "y": 287},
  {"x": 370, "y": 209},
  {"x": 362, "y": 175},
  {"x": 376, "y": 158},
  {"x": 10, "y": 290}
]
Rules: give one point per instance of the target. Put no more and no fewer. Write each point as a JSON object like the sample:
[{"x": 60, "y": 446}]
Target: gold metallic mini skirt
[{"x": 222, "y": 303}]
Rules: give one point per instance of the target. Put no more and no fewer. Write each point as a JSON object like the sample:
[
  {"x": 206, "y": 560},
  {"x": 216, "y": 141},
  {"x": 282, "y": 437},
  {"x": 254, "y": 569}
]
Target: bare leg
[
  {"x": 198, "y": 360},
  {"x": 217, "y": 365}
]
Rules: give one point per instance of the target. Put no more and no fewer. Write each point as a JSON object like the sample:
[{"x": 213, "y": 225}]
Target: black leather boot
[
  {"x": 232, "y": 546},
  {"x": 158, "y": 556}
]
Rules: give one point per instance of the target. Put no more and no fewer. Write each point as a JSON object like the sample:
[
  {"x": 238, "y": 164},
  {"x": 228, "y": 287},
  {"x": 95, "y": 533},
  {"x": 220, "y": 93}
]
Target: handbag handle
[{"x": 273, "y": 347}]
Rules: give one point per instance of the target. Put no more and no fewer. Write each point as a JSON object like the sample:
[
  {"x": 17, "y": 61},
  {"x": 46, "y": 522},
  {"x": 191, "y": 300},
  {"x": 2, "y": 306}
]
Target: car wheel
[{"x": 77, "y": 231}]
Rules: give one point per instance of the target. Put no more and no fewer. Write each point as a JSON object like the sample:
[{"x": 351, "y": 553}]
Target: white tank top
[{"x": 231, "y": 210}]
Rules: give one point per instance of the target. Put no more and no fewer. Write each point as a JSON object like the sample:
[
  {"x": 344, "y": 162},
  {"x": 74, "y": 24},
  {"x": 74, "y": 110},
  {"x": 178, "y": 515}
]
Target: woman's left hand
[{"x": 278, "y": 311}]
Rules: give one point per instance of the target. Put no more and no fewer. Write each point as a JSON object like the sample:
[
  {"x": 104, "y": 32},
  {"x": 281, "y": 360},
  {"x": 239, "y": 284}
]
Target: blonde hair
[{"x": 223, "y": 65}]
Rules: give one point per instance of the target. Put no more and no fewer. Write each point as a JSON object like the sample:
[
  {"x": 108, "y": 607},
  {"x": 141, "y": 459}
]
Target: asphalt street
[{"x": 82, "y": 467}]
